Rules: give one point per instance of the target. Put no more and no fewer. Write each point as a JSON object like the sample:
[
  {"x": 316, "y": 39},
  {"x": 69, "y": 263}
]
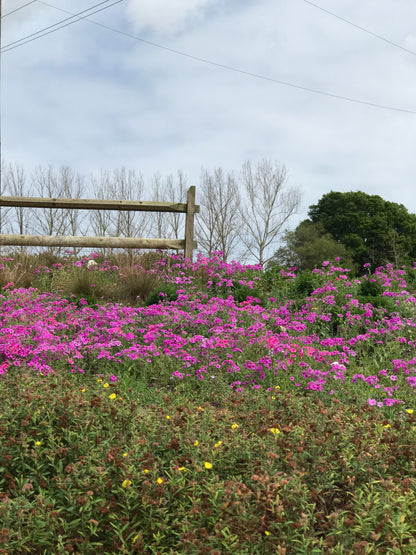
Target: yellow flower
[
  {"x": 106, "y": 385},
  {"x": 196, "y": 443},
  {"x": 275, "y": 431},
  {"x": 124, "y": 454},
  {"x": 112, "y": 396},
  {"x": 218, "y": 444},
  {"x": 126, "y": 483},
  {"x": 38, "y": 443},
  {"x": 167, "y": 417},
  {"x": 200, "y": 408},
  {"x": 100, "y": 380},
  {"x": 159, "y": 481},
  {"x": 387, "y": 426},
  {"x": 146, "y": 471},
  {"x": 182, "y": 469},
  {"x": 277, "y": 386},
  {"x": 267, "y": 533},
  {"x": 83, "y": 390},
  {"x": 234, "y": 426},
  {"x": 409, "y": 411},
  {"x": 208, "y": 465}
]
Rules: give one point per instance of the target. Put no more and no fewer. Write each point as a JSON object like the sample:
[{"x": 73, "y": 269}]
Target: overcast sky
[{"x": 94, "y": 98}]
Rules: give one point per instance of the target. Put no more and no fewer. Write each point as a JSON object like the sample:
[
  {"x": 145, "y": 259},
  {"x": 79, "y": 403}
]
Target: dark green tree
[
  {"x": 372, "y": 229},
  {"x": 308, "y": 246}
]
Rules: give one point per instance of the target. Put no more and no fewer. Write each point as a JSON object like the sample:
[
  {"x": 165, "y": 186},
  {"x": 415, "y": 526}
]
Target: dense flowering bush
[
  {"x": 313, "y": 344},
  {"x": 222, "y": 408}
]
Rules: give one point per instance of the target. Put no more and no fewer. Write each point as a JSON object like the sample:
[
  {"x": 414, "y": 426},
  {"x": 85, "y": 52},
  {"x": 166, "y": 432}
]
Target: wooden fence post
[{"x": 189, "y": 223}]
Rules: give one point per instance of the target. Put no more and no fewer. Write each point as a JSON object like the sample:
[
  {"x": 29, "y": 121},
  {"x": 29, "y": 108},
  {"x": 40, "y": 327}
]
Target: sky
[{"x": 172, "y": 85}]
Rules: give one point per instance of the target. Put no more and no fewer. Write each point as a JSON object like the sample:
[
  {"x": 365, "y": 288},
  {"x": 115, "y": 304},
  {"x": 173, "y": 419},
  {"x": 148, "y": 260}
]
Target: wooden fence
[{"x": 187, "y": 244}]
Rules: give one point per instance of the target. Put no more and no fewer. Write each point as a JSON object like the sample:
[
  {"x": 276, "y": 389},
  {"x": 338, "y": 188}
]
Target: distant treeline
[{"x": 241, "y": 216}]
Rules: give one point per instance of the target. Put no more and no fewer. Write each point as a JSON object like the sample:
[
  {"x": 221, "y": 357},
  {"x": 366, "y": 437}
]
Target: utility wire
[
  {"x": 59, "y": 25},
  {"x": 231, "y": 68},
  {"x": 380, "y": 37},
  {"x": 17, "y": 9}
]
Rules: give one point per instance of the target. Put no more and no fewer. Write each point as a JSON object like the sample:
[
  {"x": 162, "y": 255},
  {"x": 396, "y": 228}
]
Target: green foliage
[
  {"x": 242, "y": 293},
  {"x": 370, "y": 288},
  {"x": 410, "y": 277},
  {"x": 166, "y": 293},
  {"x": 372, "y": 229},
  {"x": 308, "y": 246},
  {"x": 371, "y": 291},
  {"x": 92, "y": 467},
  {"x": 152, "y": 463},
  {"x": 80, "y": 300},
  {"x": 273, "y": 278},
  {"x": 83, "y": 282},
  {"x": 305, "y": 283}
]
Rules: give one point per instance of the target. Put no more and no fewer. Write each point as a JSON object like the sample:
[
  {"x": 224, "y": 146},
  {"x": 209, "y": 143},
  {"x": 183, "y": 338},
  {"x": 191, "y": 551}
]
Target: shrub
[
  {"x": 166, "y": 293},
  {"x": 242, "y": 293},
  {"x": 370, "y": 288},
  {"x": 137, "y": 284},
  {"x": 83, "y": 281},
  {"x": 304, "y": 284}
]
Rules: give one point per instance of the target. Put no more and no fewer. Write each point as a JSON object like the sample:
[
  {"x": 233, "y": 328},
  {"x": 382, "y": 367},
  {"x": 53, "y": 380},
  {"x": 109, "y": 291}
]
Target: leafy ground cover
[{"x": 155, "y": 405}]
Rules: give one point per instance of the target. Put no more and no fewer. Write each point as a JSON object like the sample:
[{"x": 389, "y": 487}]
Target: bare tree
[
  {"x": 73, "y": 186},
  {"x": 159, "y": 223},
  {"x": 120, "y": 184},
  {"x": 267, "y": 207},
  {"x": 176, "y": 190},
  {"x": 15, "y": 185},
  {"x": 218, "y": 224},
  {"x": 128, "y": 185},
  {"x": 101, "y": 220},
  {"x": 47, "y": 221},
  {"x": 49, "y": 183}
]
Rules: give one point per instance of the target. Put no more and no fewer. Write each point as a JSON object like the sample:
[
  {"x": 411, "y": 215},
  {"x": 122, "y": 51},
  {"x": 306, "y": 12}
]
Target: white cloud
[
  {"x": 91, "y": 98},
  {"x": 166, "y": 16}
]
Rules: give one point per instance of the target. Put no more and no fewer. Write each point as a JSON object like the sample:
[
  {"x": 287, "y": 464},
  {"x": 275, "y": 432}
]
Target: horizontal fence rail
[
  {"x": 93, "y": 204},
  {"x": 109, "y": 242},
  {"x": 187, "y": 244}
]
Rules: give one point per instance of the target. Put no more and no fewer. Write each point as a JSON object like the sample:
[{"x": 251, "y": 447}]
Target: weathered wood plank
[
  {"x": 189, "y": 223},
  {"x": 94, "y": 204},
  {"x": 97, "y": 242}
]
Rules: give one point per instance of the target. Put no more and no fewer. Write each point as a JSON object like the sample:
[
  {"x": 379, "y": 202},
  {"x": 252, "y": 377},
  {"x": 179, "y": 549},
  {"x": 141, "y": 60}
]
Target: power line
[
  {"x": 59, "y": 25},
  {"x": 380, "y": 37},
  {"x": 19, "y": 8},
  {"x": 224, "y": 66}
]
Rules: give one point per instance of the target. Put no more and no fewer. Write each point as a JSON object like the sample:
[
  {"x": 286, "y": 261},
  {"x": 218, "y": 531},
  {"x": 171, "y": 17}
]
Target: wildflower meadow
[{"x": 150, "y": 404}]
